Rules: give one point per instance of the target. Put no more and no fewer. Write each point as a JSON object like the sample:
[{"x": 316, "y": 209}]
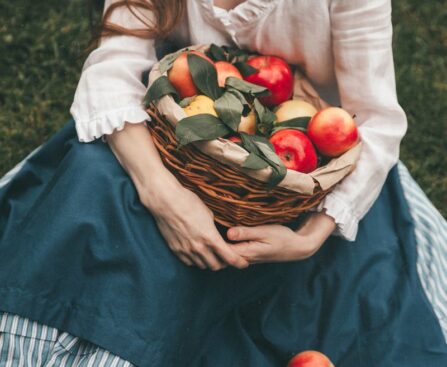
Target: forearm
[{"x": 135, "y": 150}]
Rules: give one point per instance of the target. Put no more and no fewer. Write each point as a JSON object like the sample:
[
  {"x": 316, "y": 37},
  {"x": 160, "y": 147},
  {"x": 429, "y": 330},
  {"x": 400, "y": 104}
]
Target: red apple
[
  {"x": 180, "y": 77},
  {"x": 310, "y": 358},
  {"x": 295, "y": 150},
  {"x": 224, "y": 70},
  {"x": 275, "y": 74},
  {"x": 333, "y": 131},
  {"x": 234, "y": 139}
]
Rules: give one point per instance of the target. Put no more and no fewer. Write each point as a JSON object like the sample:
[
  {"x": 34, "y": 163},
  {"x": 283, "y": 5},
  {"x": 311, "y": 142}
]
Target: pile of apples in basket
[{"x": 246, "y": 98}]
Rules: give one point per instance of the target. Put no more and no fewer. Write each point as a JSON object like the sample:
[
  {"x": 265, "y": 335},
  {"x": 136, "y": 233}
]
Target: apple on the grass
[
  {"x": 180, "y": 76},
  {"x": 333, "y": 131},
  {"x": 295, "y": 150},
  {"x": 275, "y": 74},
  {"x": 294, "y": 108},
  {"x": 310, "y": 358},
  {"x": 224, "y": 70}
]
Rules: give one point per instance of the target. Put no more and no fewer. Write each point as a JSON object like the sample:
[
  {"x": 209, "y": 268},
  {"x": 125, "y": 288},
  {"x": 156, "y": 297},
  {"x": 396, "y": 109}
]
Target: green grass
[{"x": 41, "y": 46}]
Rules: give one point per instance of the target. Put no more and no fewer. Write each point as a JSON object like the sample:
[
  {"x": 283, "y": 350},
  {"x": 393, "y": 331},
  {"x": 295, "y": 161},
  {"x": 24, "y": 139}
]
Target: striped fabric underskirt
[{"x": 24, "y": 343}]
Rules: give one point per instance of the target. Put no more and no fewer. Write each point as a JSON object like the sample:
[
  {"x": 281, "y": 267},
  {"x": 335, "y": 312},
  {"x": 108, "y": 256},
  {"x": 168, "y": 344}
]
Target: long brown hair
[{"x": 167, "y": 14}]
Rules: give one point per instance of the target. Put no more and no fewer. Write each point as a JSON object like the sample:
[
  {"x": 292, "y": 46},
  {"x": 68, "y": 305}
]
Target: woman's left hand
[{"x": 278, "y": 243}]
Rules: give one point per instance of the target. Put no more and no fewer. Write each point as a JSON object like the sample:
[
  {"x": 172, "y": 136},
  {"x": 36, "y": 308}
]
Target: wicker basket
[
  {"x": 240, "y": 196},
  {"x": 234, "y": 197}
]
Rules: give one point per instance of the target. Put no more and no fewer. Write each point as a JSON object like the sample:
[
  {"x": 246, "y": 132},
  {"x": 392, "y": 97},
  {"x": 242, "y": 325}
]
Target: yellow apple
[
  {"x": 200, "y": 104},
  {"x": 248, "y": 123},
  {"x": 293, "y": 109}
]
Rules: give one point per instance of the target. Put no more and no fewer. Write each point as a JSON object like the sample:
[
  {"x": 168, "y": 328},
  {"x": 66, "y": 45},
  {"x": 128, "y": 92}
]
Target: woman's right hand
[
  {"x": 185, "y": 222},
  {"x": 188, "y": 227}
]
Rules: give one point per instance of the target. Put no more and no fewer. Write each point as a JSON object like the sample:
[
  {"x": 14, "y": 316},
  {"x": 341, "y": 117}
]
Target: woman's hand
[
  {"x": 277, "y": 243},
  {"x": 187, "y": 225},
  {"x": 184, "y": 220}
]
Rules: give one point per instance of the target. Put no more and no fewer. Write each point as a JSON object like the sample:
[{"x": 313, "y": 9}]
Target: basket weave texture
[{"x": 234, "y": 197}]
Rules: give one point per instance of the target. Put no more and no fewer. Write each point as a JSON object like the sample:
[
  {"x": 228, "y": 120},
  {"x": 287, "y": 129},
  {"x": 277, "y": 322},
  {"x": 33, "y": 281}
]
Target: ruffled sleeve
[
  {"x": 362, "y": 46},
  {"x": 110, "y": 91}
]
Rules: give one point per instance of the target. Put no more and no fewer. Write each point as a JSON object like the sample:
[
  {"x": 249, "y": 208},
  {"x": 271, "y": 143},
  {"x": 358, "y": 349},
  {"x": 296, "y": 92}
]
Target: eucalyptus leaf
[
  {"x": 167, "y": 61},
  {"x": 204, "y": 75},
  {"x": 253, "y": 161},
  {"x": 159, "y": 88},
  {"x": 246, "y": 87},
  {"x": 216, "y": 53},
  {"x": 199, "y": 127},
  {"x": 229, "y": 108},
  {"x": 245, "y": 69}
]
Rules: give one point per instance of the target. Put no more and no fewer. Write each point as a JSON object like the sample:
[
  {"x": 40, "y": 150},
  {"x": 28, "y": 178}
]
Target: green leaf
[
  {"x": 159, "y": 88},
  {"x": 216, "y": 53},
  {"x": 186, "y": 101},
  {"x": 246, "y": 87},
  {"x": 204, "y": 75},
  {"x": 266, "y": 118},
  {"x": 236, "y": 54},
  {"x": 248, "y": 143},
  {"x": 261, "y": 147},
  {"x": 254, "y": 161},
  {"x": 299, "y": 123},
  {"x": 279, "y": 170},
  {"x": 245, "y": 69},
  {"x": 229, "y": 108},
  {"x": 241, "y": 98},
  {"x": 278, "y": 174},
  {"x": 199, "y": 127},
  {"x": 167, "y": 61},
  {"x": 268, "y": 151}
]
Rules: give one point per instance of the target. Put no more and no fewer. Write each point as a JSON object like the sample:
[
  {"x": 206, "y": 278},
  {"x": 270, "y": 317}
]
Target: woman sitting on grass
[{"x": 105, "y": 256}]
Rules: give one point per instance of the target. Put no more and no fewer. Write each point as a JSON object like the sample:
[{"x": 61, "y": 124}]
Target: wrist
[
  {"x": 157, "y": 193},
  {"x": 316, "y": 229}
]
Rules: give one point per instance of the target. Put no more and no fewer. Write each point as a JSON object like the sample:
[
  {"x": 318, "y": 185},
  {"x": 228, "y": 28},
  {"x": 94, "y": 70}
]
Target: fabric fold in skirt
[{"x": 80, "y": 253}]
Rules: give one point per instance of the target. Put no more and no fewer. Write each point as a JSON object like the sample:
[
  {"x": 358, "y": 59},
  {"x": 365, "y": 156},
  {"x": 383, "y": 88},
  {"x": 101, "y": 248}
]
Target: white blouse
[{"x": 344, "y": 47}]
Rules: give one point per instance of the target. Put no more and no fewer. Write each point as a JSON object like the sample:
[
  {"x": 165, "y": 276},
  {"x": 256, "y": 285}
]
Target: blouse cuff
[
  {"x": 91, "y": 129},
  {"x": 347, "y": 222}
]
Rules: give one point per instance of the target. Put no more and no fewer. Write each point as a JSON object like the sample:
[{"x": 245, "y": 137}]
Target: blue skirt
[{"x": 81, "y": 254}]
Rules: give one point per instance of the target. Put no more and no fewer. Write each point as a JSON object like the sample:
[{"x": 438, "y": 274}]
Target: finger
[
  {"x": 209, "y": 258},
  {"x": 185, "y": 259},
  {"x": 243, "y": 233},
  {"x": 197, "y": 260},
  {"x": 226, "y": 253},
  {"x": 252, "y": 251}
]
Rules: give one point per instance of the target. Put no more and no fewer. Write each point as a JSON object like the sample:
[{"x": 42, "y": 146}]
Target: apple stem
[{"x": 354, "y": 116}]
